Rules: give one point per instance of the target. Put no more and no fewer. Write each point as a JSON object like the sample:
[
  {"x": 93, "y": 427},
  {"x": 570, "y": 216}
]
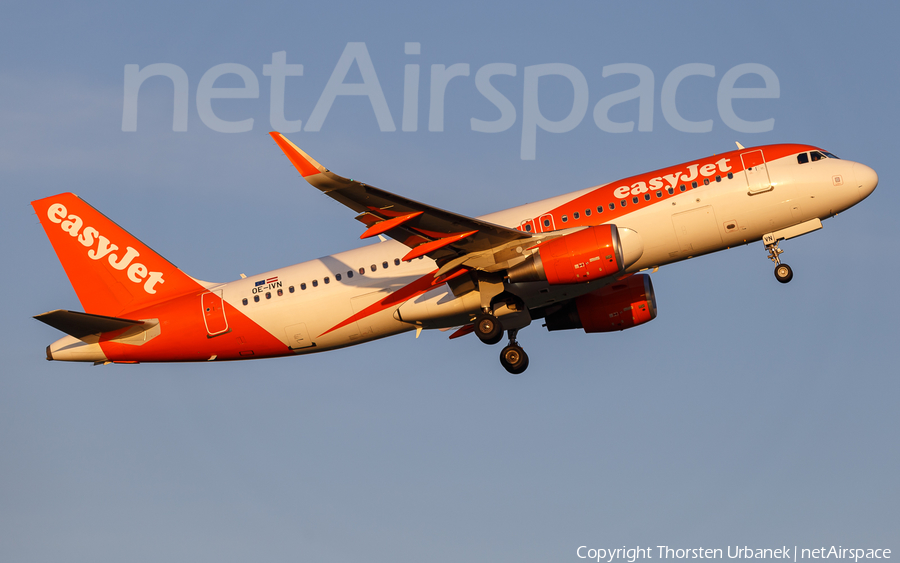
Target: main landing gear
[
  {"x": 783, "y": 272},
  {"x": 513, "y": 357},
  {"x": 489, "y": 330}
]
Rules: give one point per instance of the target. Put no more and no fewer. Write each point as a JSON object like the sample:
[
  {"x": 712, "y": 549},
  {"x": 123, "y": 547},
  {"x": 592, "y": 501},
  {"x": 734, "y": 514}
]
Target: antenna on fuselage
[{"x": 740, "y": 146}]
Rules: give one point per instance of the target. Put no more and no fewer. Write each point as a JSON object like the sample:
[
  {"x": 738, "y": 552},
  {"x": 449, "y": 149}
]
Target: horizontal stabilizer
[{"x": 80, "y": 325}]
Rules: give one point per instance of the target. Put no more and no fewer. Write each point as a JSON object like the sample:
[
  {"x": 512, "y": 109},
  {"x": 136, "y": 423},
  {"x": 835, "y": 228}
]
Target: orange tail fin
[{"x": 111, "y": 271}]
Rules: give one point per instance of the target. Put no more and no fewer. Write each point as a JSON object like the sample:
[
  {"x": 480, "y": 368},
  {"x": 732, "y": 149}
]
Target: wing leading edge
[{"x": 441, "y": 235}]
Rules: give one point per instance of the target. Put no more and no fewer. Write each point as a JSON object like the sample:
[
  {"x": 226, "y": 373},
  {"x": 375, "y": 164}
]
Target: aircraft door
[
  {"x": 214, "y": 313},
  {"x": 756, "y": 172}
]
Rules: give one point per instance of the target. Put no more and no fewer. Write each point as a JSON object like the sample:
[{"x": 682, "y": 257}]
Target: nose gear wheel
[{"x": 783, "y": 272}]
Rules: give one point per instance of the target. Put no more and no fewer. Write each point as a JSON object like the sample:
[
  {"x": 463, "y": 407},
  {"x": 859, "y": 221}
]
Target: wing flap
[{"x": 388, "y": 224}]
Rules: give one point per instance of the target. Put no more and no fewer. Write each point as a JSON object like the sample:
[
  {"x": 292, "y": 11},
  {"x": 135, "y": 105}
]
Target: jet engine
[
  {"x": 582, "y": 256},
  {"x": 623, "y": 304}
]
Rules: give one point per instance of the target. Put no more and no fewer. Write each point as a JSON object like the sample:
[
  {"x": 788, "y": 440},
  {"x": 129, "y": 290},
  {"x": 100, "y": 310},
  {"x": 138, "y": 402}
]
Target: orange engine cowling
[
  {"x": 582, "y": 256},
  {"x": 620, "y": 305}
]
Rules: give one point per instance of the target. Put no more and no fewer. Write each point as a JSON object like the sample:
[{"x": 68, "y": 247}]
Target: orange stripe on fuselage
[
  {"x": 418, "y": 287},
  {"x": 183, "y": 336},
  {"x": 653, "y": 182}
]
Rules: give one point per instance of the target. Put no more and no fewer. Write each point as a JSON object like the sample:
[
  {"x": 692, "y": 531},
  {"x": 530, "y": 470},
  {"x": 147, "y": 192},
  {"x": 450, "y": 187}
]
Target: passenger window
[
  {"x": 599, "y": 209},
  {"x": 730, "y": 175},
  {"x": 587, "y": 212},
  {"x": 646, "y": 197},
  {"x": 565, "y": 218},
  {"x": 659, "y": 194},
  {"x": 623, "y": 203},
  {"x": 634, "y": 199},
  {"x": 302, "y": 286},
  {"x": 682, "y": 188},
  {"x": 327, "y": 279},
  {"x": 349, "y": 273},
  {"x": 291, "y": 289},
  {"x": 384, "y": 265},
  {"x": 315, "y": 283},
  {"x": 268, "y": 295},
  {"x": 256, "y": 298},
  {"x": 362, "y": 271},
  {"x": 373, "y": 267},
  {"x": 705, "y": 181},
  {"x": 337, "y": 277},
  {"x": 671, "y": 191},
  {"x": 612, "y": 206},
  {"x": 280, "y": 292},
  {"x": 244, "y": 301},
  {"x": 397, "y": 260},
  {"x": 718, "y": 178},
  {"x": 575, "y": 215},
  {"x": 693, "y": 184}
]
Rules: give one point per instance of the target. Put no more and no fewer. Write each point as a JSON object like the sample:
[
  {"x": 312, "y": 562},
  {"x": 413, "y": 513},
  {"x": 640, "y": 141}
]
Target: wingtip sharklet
[{"x": 305, "y": 164}]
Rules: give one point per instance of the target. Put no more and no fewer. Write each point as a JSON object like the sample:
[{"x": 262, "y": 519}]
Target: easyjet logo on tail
[{"x": 100, "y": 247}]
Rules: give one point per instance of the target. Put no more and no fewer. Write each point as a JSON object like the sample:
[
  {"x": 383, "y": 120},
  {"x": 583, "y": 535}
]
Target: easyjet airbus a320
[{"x": 576, "y": 261}]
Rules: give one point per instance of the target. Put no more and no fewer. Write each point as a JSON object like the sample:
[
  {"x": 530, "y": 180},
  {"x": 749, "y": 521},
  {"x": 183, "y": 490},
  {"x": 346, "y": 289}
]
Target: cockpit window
[
  {"x": 803, "y": 158},
  {"x": 829, "y": 155},
  {"x": 816, "y": 155}
]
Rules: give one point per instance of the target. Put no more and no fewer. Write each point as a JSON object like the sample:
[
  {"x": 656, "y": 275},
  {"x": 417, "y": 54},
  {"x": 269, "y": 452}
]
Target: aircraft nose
[{"x": 866, "y": 178}]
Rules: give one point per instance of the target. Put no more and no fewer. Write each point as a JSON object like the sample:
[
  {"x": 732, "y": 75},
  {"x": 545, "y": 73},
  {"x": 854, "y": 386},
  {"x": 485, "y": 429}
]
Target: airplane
[{"x": 576, "y": 261}]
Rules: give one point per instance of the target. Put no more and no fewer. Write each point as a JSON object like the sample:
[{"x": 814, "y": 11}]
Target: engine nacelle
[
  {"x": 617, "y": 306},
  {"x": 582, "y": 256}
]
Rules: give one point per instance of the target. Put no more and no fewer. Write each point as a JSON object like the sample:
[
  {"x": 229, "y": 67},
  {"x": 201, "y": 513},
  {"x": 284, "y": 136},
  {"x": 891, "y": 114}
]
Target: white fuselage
[{"x": 685, "y": 224}]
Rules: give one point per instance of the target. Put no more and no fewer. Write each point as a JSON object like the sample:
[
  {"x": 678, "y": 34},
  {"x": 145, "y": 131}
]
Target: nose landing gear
[
  {"x": 513, "y": 357},
  {"x": 783, "y": 272}
]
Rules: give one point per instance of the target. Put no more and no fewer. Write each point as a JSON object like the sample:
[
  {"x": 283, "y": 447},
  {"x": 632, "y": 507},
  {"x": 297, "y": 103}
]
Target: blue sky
[{"x": 748, "y": 413}]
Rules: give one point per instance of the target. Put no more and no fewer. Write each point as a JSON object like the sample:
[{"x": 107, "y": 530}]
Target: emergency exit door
[{"x": 756, "y": 171}]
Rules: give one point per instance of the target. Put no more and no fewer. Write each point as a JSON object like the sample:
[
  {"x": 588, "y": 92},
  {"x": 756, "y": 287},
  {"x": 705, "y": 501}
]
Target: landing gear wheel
[
  {"x": 514, "y": 359},
  {"x": 783, "y": 273},
  {"x": 488, "y": 329}
]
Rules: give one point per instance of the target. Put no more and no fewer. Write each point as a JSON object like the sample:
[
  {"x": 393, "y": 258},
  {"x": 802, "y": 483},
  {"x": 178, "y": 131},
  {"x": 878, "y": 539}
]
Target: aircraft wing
[{"x": 427, "y": 231}]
